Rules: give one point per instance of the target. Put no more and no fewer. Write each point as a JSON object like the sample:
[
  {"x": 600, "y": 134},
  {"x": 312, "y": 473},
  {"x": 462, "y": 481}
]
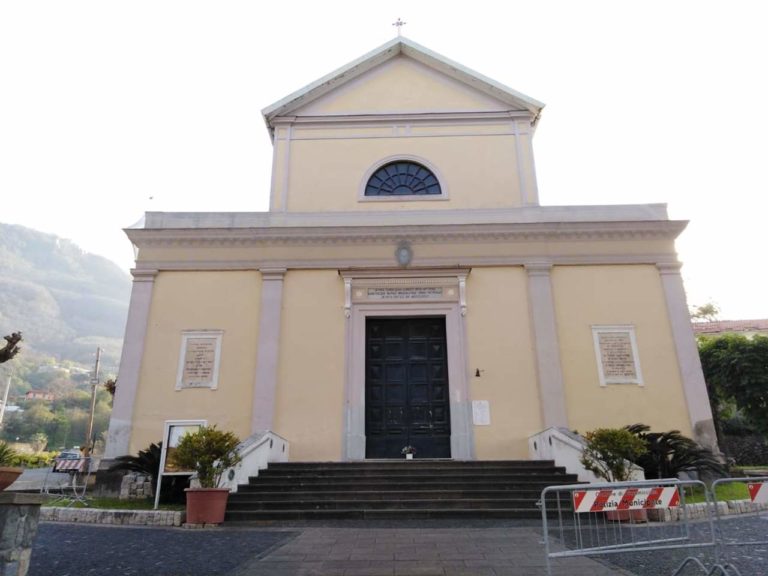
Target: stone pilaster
[
  {"x": 268, "y": 353},
  {"x": 694, "y": 386},
  {"x": 543, "y": 319},
  {"x": 121, "y": 421}
]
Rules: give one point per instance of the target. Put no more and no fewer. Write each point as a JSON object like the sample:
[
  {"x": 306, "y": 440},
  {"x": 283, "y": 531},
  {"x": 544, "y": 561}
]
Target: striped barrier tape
[
  {"x": 652, "y": 498},
  {"x": 69, "y": 464},
  {"x": 758, "y": 492}
]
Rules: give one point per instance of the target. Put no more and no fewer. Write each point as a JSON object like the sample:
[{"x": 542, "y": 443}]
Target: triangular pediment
[
  {"x": 402, "y": 86},
  {"x": 401, "y": 77}
]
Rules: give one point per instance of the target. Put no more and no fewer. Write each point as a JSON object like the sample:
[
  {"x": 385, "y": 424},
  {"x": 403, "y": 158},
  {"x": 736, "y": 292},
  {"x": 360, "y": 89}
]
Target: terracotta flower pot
[
  {"x": 634, "y": 516},
  {"x": 206, "y": 505},
  {"x": 8, "y": 475}
]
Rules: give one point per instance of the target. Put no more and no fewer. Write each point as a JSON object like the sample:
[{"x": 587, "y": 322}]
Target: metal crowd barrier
[
  {"x": 72, "y": 487},
  {"x": 629, "y": 517},
  {"x": 742, "y": 524}
]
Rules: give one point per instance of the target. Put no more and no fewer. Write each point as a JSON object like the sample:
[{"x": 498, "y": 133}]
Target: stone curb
[
  {"x": 698, "y": 511},
  {"x": 114, "y": 517}
]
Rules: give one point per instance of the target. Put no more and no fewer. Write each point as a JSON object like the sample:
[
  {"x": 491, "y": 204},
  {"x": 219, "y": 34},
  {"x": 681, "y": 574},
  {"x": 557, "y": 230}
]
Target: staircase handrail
[
  {"x": 256, "y": 452},
  {"x": 565, "y": 448}
]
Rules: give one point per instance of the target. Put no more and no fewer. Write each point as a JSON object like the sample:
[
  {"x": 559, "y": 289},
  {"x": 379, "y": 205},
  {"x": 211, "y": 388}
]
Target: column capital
[
  {"x": 272, "y": 273},
  {"x": 669, "y": 267},
  {"x": 143, "y": 275},
  {"x": 538, "y": 268}
]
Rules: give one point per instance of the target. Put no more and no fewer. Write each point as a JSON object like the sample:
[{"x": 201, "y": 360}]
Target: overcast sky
[{"x": 108, "y": 109}]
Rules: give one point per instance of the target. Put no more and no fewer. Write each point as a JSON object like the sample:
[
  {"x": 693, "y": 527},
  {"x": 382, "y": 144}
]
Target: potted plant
[
  {"x": 209, "y": 452},
  {"x": 8, "y": 472},
  {"x": 409, "y": 451},
  {"x": 609, "y": 454}
]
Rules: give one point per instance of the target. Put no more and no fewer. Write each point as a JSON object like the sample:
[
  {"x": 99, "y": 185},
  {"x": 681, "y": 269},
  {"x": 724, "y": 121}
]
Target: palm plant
[
  {"x": 147, "y": 462},
  {"x": 670, "y": 453},
  {"x": 8, "y": 455}
]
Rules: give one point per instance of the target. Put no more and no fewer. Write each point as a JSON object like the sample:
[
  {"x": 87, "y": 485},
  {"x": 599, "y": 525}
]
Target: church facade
[{"x": 406, "y": 287}]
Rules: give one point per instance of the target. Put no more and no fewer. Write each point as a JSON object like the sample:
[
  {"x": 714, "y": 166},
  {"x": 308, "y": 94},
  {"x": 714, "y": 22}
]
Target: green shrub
[
  {"x": 209, "y": 452},
  {"x": 750, "y": 450},
  {"x": 609, "y": 453},
  {"x": 39, "y": 460},
  {"x": 7, "y": 454}
]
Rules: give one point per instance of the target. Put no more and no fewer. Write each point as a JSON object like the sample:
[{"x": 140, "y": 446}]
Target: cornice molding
[
  {"x": 425, "y": 234},
  {"x": 372, "y": 267},
  {"x": 401, "y": 117}
]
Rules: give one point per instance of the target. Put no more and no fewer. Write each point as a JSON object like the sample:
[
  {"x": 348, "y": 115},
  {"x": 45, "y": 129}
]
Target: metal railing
[
  {"x": 742, "y": 524},
  {"x": 629, "y": 517}
]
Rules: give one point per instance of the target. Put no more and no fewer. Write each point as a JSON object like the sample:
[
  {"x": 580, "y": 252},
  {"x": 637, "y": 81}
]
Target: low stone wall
[
  {"x": 136, "y": 487},
  {"x": 116, "y": 517},
  {"x": 19, "y": 514}
]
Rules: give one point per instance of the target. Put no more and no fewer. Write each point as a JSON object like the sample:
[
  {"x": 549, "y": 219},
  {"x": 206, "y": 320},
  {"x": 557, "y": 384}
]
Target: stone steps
[{"x": 395, "y": 489}]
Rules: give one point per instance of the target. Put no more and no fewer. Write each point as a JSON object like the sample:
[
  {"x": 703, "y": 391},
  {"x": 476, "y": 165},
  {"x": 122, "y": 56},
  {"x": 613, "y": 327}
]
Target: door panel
[{"x": 406, "y": 388}]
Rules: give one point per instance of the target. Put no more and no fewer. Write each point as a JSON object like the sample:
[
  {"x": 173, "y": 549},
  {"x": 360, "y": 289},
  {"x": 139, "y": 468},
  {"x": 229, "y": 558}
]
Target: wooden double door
[{"x": 406, "y": 387}]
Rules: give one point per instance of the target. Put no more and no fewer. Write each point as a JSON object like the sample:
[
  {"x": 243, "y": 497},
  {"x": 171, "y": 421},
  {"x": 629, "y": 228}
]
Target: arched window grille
[{"x": 401, "y": 178}]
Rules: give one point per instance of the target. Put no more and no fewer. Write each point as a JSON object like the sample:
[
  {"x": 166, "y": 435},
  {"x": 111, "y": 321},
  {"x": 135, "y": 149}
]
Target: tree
[
  {"x": 736, "y": 370},
  {"x": 705, "y": 313},
  {"x": 11, "y": 347},
  {"x": 39, "y": 442}
]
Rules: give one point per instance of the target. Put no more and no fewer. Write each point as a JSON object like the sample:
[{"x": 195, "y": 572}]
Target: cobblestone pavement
[
  {"x": 415, "y": 548},
  {"x": 80, "y": 550},
  {"x": 347, "y": 549}
]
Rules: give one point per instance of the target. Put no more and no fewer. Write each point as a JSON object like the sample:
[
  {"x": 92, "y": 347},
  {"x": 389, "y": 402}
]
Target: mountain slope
[{"x": 65, "y": 301}]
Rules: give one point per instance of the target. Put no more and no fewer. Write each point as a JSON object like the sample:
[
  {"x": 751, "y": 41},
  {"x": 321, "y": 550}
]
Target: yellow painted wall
[
  {"x": 499, "y": 344},
  {"x": 477, "y": 171},
  {"x": 401, "y": 85},
  {"x": 309, "y": 406},
  {"x": 625, "y": 295},
  {"x": 227, "y": 301}
]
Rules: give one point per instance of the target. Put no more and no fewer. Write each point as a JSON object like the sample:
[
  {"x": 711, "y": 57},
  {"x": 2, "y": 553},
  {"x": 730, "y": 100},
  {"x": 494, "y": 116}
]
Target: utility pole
[
  {"x": 5, "y": 400},
  {"x": 94, "y": 383}
]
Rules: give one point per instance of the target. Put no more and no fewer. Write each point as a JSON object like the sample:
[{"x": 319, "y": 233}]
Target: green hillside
[{"x": 66, "y": 302}]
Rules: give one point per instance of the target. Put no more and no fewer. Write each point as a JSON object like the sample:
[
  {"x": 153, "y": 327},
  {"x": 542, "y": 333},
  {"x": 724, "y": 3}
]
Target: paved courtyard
[{"x": 78, "y": 550}]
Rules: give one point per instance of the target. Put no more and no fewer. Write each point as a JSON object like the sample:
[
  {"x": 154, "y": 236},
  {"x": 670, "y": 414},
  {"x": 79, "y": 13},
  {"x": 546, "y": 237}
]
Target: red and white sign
[
  {"x": 651, "y": 498},
  {"x": 70, "y": 464},
  {"x": 758, "y": 492}
]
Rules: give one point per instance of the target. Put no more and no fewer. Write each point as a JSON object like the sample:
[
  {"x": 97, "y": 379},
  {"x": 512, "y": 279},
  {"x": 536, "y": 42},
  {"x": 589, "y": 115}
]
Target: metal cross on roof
[{"x": 399, "y": 25}]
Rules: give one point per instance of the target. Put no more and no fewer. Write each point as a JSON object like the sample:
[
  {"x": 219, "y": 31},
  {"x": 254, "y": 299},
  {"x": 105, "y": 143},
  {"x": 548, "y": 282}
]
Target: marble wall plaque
[
  {"x": 199, "y": 362},
  {"x": 616, "y": 351},
  {"x": 616, "y": 355}
]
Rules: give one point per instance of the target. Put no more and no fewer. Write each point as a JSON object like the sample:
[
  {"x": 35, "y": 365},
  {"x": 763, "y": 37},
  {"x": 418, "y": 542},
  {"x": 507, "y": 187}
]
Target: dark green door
[{"x": 406, "y": 388}]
